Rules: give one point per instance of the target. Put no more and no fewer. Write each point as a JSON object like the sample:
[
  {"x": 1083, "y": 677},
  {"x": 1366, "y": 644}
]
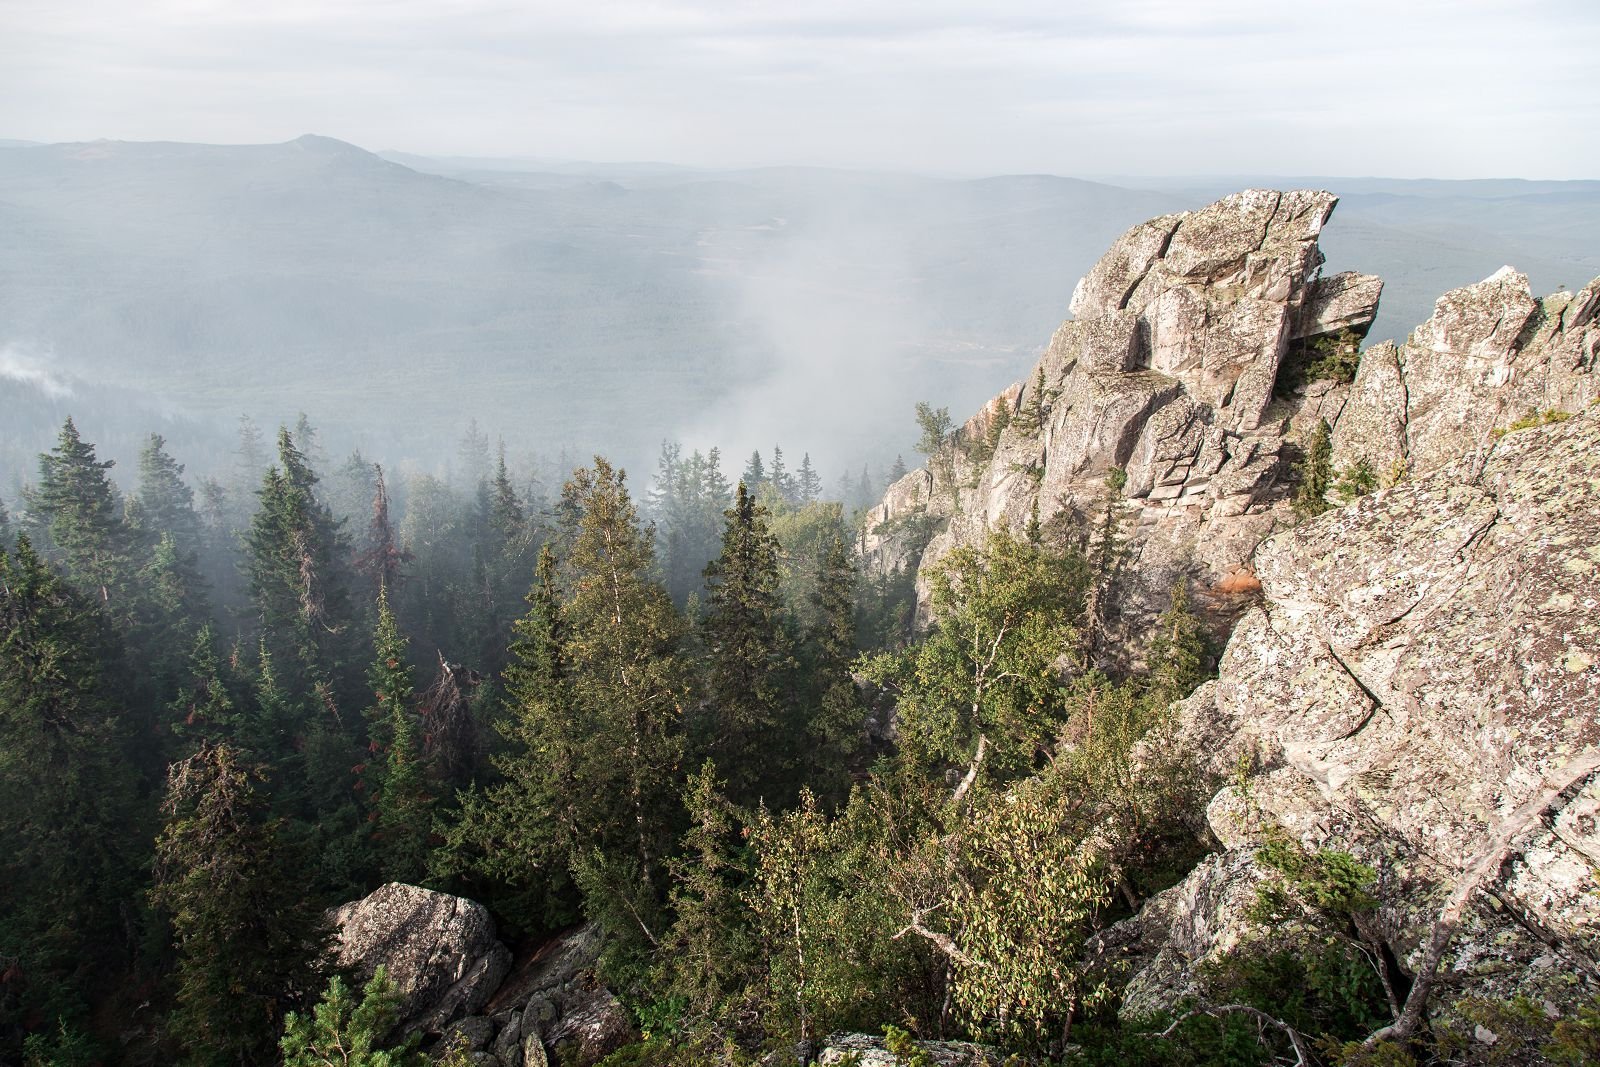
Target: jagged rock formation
[
  {"x": 1182, "y": 366},
  {"x": 552, "y": 1009},
  {"x": 1419, "y": 687},
  {"x": 440, "y": 951}
]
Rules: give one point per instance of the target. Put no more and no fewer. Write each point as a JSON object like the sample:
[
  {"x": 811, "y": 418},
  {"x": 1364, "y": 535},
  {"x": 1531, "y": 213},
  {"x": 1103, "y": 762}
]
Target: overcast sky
[{"x": 1463, "y": 88}]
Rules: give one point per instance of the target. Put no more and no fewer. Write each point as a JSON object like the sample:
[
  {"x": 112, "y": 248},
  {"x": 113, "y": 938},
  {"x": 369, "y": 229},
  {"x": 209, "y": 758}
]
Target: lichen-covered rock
[
  {"x": 1170, "y": 369},
  {"x": 867, "y": 1050},
  {"x": 440, "y": 951},
  {"x": 1425, "y": 663}
]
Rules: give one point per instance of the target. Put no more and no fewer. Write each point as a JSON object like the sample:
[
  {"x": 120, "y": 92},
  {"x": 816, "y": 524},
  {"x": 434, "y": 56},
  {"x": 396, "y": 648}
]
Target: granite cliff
[{"x": 1411, "y": 679}]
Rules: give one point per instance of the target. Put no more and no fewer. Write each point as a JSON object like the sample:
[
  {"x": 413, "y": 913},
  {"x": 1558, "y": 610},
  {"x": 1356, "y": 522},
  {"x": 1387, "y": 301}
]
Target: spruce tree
[
  {"x": 73, "y": 833},
  {"x": 207, "y": 707},
  {"x": 507, "y": 517},
  {"x": 897, "y": 471},
  {"x": 807, "y": 483},
  {"x": 1108, "y": 553},
  {"x": 164, "y": 505},
  {"x": 294, "y": 564},
  {"x": 5, "y": 526},
  {"x": 382, "y": 559},
  {"x": 521, "y": 830},
  {"x": 755, "y": 474},
  {"x": 778, "y": 477},
  {"x": 399, "y": 791},
  {"x": 835, "y": 730},
  {"x": 749, "y": 658},
  {"x": 1178, "y": 650},
  {"x": 80, "y": 513},
  {"x": 248, "y": 941},
  {"x": 1314, "y": 473},
  {"x": 623, "y": 642}
]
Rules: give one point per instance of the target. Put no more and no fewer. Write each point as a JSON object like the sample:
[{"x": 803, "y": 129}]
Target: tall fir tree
[
  {"x": 294, "y": 562},
  {"x": 164, "y": 504},
  {"x": 520, "y": 831},
  {"x": 834, "y": 731},
  {"x": 404, "y": 813},
  {"x": 626, "y": 675},
  {"x": 897, "y": 471},
  {"x": 807, "y": 483},
  {"x": 749, "y": 657},
  {"x": 779, "y": 478},
  {"x": 382, "y": 560},
  {"x": 208, "y": 707},
  {"x": 72, "y": 839},
  {"x": 755, "y": 472},
  {"x": 1179, "y": 649},
  {"x": 79, "y": 511},
  {"x": 248, "y": 941},
  {"x": 1314, "y": 473}
]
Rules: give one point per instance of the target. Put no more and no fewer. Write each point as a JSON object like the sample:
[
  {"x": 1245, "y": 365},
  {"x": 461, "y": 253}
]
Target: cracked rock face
[
  {"x": 1169, "y": 369},
  {"x": 440, "y": 951},
  {"x": 1424, "y": 663}
]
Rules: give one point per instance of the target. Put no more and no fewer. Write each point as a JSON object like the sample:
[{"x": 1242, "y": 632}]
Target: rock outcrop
[
  {"x": 1183, "y": 365},
  {"x": 867, "y": 1050},
  {"x": 440, "y": 951},
  {"x": 1420, "y": 688}
]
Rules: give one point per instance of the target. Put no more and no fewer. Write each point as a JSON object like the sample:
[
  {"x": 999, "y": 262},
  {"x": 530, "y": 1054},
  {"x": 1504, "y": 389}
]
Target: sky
[{"x": 1399, "y": 88}]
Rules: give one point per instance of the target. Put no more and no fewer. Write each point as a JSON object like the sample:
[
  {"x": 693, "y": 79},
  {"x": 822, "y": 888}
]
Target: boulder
[{"x": 440, "y": 951}]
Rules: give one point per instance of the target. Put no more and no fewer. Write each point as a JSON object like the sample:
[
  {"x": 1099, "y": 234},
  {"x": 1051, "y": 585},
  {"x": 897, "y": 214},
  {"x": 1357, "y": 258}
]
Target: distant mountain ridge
[{"x": 607, "y": 306}]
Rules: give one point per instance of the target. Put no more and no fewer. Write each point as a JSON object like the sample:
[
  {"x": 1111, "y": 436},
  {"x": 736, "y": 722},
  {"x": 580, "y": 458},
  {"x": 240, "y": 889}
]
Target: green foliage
[
  {"x": 1019, "y": 913},
  {"x": 709, "y": 953},
  {"x": 1035, "y": 405},
  {"x": 1325, "y": 880},
  {"x": 1331, "y": 357},
  {"x": 1313, "y": 475},
  {"x": 67, "y": 1047},
  {"x": 73, "y": 839},
  {"x": 904, "y": 1048},
  {"x": 249, "y": 943},
  {"x": 79, "y": 513},
  {"x": 403, "y": 809},
  {"x": 1326, "y": 989},
  {"x": 749, "y": 658},
  {"x": 986, "y": 674},
  {"x": 1358, "y": 479},
  {"x": 1533, "y": 419},
  {"x": 1179, "y": 651},
  {"x": 344, "y": 1032}
]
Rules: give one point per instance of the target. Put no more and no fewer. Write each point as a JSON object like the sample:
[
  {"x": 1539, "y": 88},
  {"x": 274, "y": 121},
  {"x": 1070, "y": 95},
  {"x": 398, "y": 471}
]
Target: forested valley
[{"x": 227, "y": 706}]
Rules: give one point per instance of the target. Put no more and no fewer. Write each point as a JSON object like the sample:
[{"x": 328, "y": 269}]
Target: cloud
[
  {"x": 19, "y": 366},
  {"x": 1464, "y": 88}
]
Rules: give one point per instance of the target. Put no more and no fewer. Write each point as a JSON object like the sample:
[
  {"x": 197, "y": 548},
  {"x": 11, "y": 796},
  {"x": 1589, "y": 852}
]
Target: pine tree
[
  {"x": 779, "y": 477},
  {"x": 623, "y": 640},
  {"x": 400, "y": 801},
  {"x": 474, "y": 455},
  {"x": 207, "y": 708},
  {"x": 749, "y": 657},
  {"x": 1178, "y": 651},
  {"x": 248, "y": 941},
  {"x": 294, "y": 551},
  {"x": 72, "y": 837},
  {"x": 1314, "y": 473},
  {"x": 807, "y": 483},
  {"x": 80, "y": 513},
  {"x": 835, "y": 732},
  {"x": 345, "y": 1032},
  {"x": 382, "y": 560},
  {"x": 897, "y": 471},
  {"x": 507, "y": 517},
  {"x": 163, "y": 503},
  {"x": 5, "y": 526},
  {"x": 755, "y": 474}
]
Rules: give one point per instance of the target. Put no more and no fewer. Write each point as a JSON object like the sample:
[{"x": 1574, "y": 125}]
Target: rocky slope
[
  {"x": 1419, "y": 687},
  {"x": 1414, "y": 678},
  {"x": 1184, "y": 364}
]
